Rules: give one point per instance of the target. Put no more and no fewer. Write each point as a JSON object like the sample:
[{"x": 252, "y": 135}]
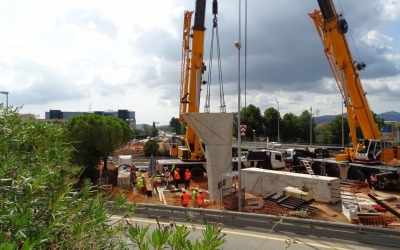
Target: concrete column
[{"x": 215, "y": 131}]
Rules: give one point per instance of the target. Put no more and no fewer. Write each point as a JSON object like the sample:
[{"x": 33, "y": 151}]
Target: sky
[{"x": 107, "y": 55}]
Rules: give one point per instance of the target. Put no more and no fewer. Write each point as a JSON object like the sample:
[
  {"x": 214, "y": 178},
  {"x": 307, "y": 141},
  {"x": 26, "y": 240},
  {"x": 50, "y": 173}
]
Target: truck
[
  {"x": 125, "y": 160},
  {"x": 291, "y": 156},
  {"x": 371, "y": 153},
  {"x": 265, "y": 159}
]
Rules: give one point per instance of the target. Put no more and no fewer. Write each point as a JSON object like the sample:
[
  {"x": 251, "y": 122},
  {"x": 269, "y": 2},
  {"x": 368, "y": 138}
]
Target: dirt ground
[{"x": 325, "y": 212}]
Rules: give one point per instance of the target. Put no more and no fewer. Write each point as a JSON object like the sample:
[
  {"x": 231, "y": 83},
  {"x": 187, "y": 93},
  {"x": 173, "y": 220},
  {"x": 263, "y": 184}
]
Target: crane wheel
[
  {"x": 333, "y": 171},
  {"x": 356, "y": 174},
  {"x": 316, "y": 167},
  {"x": 197, "y": 173}
]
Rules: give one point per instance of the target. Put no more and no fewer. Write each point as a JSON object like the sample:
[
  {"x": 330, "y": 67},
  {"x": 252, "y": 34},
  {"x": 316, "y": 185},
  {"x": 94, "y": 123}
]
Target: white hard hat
[{"x": 183, "y": 190}]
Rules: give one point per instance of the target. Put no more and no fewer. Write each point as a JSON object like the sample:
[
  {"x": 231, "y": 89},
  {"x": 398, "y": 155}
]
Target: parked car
[
  {"x": 143, "y": 169},
  {"x": 275, "y": 144}
]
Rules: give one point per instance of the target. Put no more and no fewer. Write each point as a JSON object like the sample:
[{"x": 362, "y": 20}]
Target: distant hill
[{"x": 387, "y": 116}]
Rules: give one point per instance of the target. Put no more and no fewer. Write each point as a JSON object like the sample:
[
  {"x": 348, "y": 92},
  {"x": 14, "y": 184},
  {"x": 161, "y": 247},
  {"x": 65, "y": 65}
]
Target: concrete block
[
  {"x": 260, "y": 182},
  {"x": 215, "y": 131}
]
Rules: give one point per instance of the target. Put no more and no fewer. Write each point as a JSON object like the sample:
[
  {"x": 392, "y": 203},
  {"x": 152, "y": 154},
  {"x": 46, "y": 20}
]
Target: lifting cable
[{"x": 221, "y": 84}]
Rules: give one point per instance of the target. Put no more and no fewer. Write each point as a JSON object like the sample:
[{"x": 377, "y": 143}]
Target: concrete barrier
[{"x": 261, "y": 182}]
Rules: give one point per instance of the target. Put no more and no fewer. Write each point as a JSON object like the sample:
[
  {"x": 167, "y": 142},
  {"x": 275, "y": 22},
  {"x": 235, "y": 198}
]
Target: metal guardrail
[{"x": 350, "y": 232}]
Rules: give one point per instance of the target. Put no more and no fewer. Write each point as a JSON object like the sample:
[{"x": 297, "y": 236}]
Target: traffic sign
[{"x": 243, "y": 129}]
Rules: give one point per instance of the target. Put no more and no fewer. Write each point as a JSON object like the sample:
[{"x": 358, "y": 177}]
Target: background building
[{"x": 124, "y": 114}]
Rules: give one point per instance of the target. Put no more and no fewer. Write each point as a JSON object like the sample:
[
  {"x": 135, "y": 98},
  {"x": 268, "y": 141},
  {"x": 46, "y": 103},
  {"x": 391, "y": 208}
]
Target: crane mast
[
  {"x": 331, "y": 28},
  {"x": 192, "y": 70}
]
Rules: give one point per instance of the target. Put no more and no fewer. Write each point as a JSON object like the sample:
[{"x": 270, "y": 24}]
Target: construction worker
[
  {"x": 185, "y": 198},
  {"x": 143, "y": 189},
  {"x": 138, "y": 184},
  {"x": 194, "y": 194},
  {"x": 200, "y": 199},
  {"x": 188, "y": 176},
  {"x": 372, "y": 182},
  {"x": 177, "y": 177},
  {"x": 154, "y": 184},
  {"x": 139, "y": 173}
]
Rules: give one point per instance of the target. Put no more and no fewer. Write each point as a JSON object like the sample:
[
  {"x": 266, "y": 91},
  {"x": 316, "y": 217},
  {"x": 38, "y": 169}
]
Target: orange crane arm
[{"x": 332, "y": 28}]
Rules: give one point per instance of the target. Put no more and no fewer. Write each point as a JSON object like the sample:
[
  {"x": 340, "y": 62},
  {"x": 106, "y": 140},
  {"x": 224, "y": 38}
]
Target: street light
[
  {"x": 254, "y": 136},
  {"x": 278, "y": 120},
  {"x": 5, "y": 93},
  {"x": 238, "y": 45}
]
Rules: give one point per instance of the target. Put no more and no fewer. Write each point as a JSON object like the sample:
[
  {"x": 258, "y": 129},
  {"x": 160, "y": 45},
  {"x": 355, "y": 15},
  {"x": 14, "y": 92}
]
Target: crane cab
[{"x": 369, "y": 151}]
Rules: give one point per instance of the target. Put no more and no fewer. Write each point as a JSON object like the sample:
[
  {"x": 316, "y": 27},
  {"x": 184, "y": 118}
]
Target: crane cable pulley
[{"x": 221, "y": 85}]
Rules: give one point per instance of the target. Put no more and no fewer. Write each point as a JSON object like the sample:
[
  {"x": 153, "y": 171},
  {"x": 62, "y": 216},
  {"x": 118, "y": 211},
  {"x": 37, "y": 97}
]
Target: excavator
[
  {"x": 192, "y": 70},
  {"x": 332, "y": 28}
]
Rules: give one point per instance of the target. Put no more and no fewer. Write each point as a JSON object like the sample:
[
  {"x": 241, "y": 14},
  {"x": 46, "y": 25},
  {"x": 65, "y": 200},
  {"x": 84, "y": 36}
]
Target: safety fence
[{"x": 342, "y": 231}]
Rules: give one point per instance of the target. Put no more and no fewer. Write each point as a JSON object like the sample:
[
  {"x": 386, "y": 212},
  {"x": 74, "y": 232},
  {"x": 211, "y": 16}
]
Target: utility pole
[
  {"x": 310, "y": 126},
  {"x": 156, "y": 123},
  {"x": 279, "y": 116}
]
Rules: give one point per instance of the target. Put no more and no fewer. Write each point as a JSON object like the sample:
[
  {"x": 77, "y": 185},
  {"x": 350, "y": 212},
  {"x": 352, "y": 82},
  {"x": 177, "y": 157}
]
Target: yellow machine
[
  {"x": 332, "y": 28},
  {"x": 192, "y": 70}
]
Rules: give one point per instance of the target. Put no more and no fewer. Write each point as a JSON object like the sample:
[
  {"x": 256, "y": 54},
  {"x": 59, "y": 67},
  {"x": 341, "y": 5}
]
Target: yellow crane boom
[
  {"x": 192, "y": 70},
  {"x": 331, "y": 28}
]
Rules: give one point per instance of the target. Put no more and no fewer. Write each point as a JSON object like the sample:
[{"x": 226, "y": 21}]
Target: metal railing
[{"x": 342, "y": 231}]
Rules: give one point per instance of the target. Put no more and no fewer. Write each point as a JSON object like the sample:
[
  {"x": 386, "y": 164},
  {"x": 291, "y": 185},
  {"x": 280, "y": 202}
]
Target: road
[{"x": 247, "y": 238}]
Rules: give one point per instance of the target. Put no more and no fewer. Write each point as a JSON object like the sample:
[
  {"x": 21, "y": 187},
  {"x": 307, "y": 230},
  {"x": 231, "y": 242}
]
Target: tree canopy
[
  {"x": 292, "y": 128},
  {"x": 95, "y": 138},
  {"x": 41, "y": 208}
]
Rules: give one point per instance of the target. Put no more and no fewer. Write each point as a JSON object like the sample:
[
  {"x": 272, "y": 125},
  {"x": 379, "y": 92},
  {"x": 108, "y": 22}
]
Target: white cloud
[
  {"x": 389, "y": 9},
  {"x": 377, "y": 40},
  {"x": 126, "y": 55}
]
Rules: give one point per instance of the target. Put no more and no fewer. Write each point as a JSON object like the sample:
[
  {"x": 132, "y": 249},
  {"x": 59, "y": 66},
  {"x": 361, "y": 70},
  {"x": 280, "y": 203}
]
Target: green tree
[
  {"x": 289, "y": 128},
  {"x": 175, "y": 125},
  {"x": 304, "y": 126},
  {"x": 271, "y": 123},
  {"x": 251, "y": 117},
  {"x": 95, "y": 138},
  {"x": 335, "y": 130},
  {"x": 150, "y": 148},
  {"x": 40, "y": 209}
]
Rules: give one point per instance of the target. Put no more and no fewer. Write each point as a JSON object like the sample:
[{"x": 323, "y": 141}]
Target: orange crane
[
  {"x": 192, "y": 70},
  {"x": 331, "y": 28}
]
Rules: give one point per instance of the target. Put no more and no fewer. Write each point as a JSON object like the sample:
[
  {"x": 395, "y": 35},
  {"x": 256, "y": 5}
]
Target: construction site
[
  {"x": 345, "y": 202},
  {"x": 358, "y": 185}
]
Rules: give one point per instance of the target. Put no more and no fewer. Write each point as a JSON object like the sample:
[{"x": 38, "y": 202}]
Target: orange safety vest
[
  {"x": 200, "y": 199},
  {"x": 188, "y": 175},
  {"x": 185, "y": 199},
  {"x": 176, "y": 175}
]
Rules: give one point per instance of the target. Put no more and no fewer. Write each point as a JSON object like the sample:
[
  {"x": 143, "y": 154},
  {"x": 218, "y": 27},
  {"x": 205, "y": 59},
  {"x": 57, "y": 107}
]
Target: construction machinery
[
  {"x": 332, "y": 28},
  {"x": 370, "y": 154},
  {"x": 192, "y": 70}
]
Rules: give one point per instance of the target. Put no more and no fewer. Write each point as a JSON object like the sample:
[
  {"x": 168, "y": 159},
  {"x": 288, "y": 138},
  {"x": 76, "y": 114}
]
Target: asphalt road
[{"x": 247, "y": 238}]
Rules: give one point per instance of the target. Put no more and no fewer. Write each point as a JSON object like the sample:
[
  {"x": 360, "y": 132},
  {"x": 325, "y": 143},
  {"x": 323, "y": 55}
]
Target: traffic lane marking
[{"x": 241, "y": 234}]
